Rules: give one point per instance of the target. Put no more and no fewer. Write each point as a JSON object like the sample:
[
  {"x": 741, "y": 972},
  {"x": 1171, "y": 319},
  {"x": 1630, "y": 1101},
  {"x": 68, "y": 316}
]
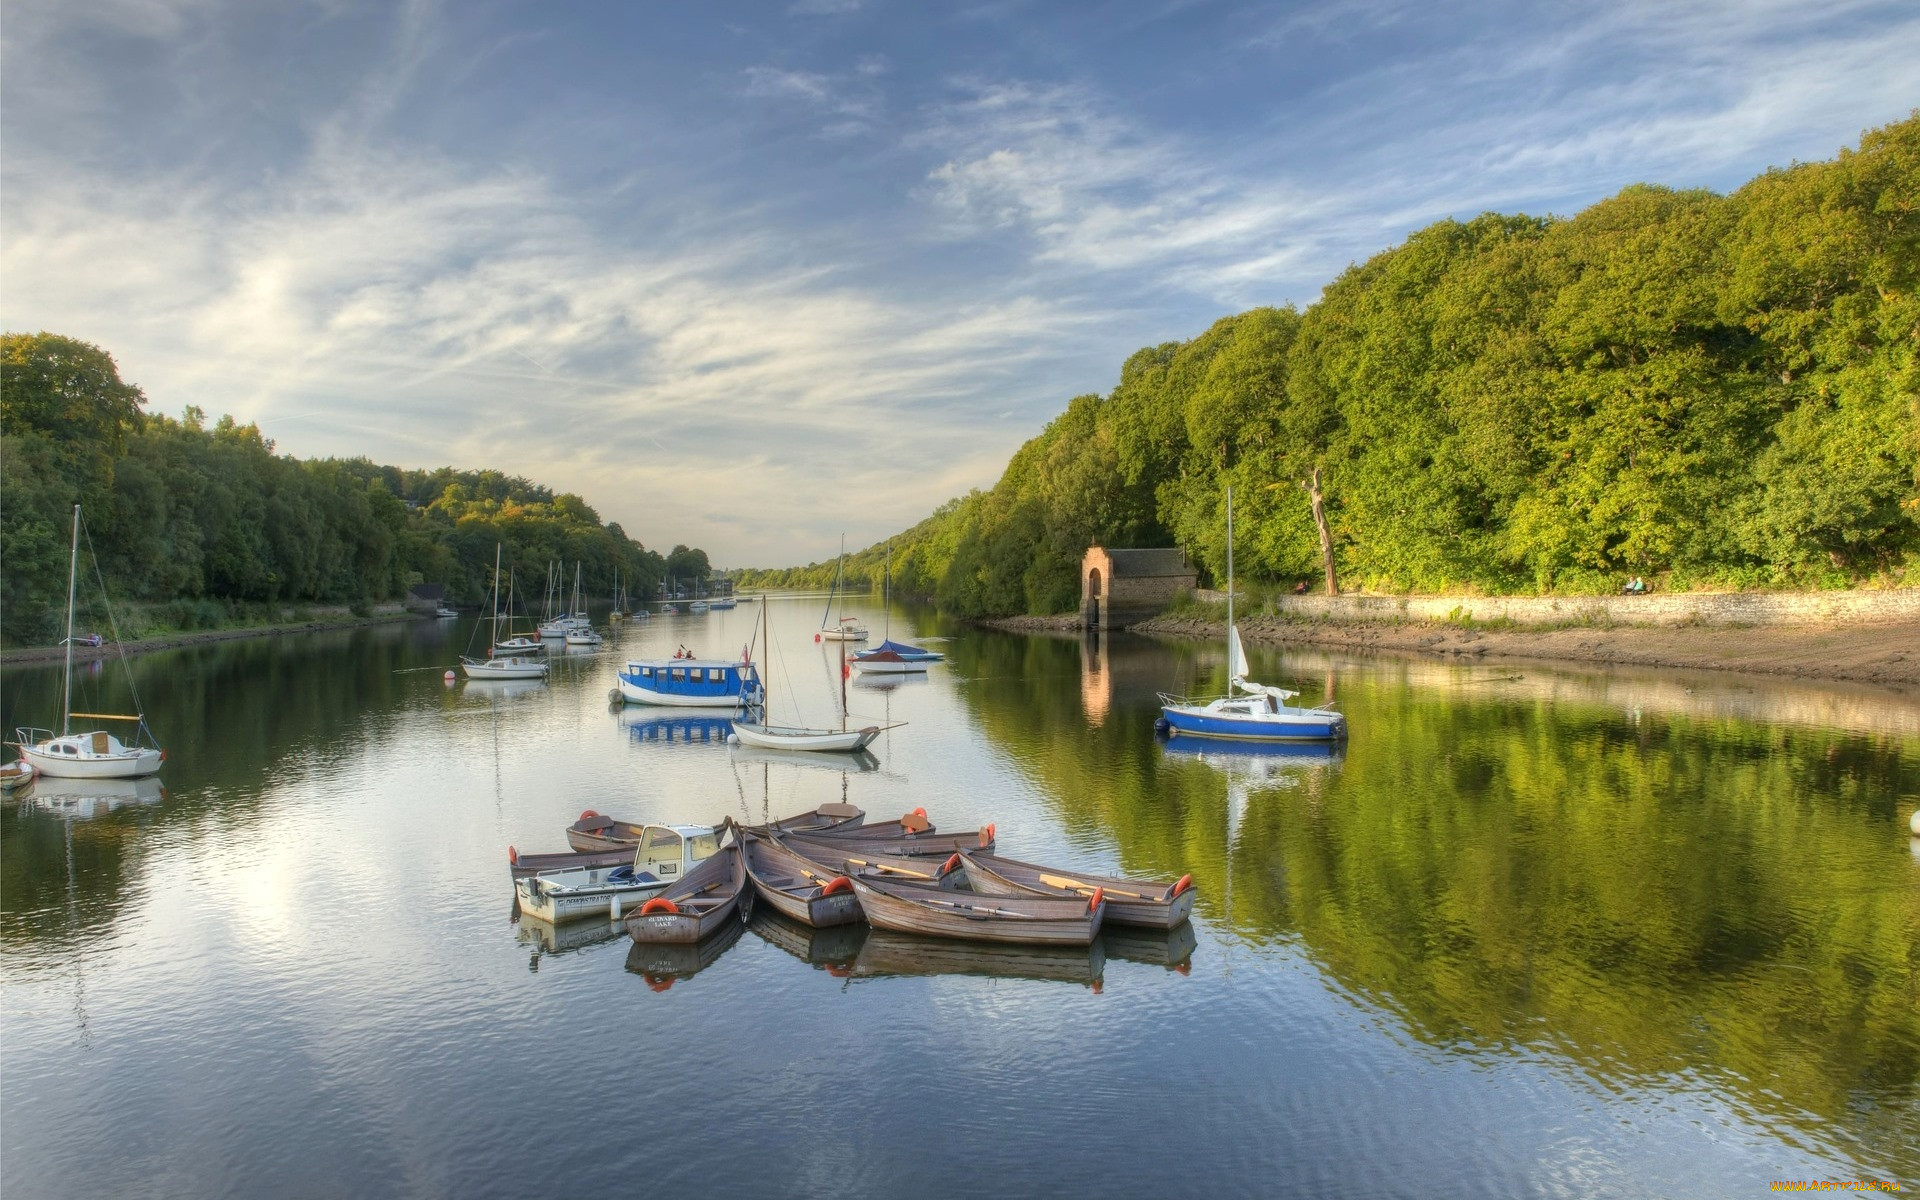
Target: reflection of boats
[
  {"x": 692, "y": 910},
  {"x": 503, "y": 689},
  {"x": 796, "y": 887},
  {"x": 661, "y": 963},
  {"x": 1149, "y": 903},
  {"x": 1169, "y": 948},
  {"x": 1249, "y": 711},
  {"x": 665, "y": 725},
  {"x": 558, "y": 939},
  {"x": 89, "y": 798},
  {"x": 939, "y": 912},
  {"x": 887, "y": 953},
  {"x": 1239, "y": 753},
  {"x": 887, "y": 683},
  {"x": 833, "y": 947},
  {"x": 860, "y": 761}
]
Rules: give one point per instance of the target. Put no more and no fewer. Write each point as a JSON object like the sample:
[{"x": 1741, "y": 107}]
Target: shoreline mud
[
  {"x": 1884, "y": 653},
  {"x": 52, "y": 654}
]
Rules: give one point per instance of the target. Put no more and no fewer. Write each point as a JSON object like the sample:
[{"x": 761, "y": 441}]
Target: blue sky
[{"x": 749, "y": 275}]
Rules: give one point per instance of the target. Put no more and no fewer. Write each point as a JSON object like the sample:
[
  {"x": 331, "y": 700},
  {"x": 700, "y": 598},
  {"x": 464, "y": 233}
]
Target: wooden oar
[
  {"x": 975, "y": 908},
  {"x": 887, "y": 870},
  {"x": 1061, "y": 881}
]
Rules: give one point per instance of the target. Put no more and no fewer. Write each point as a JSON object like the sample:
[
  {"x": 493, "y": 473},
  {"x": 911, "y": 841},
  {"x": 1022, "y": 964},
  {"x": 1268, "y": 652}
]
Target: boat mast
[
  {"x": 496, "y": 601},
  {"x": 886, "y": 599},
  {"x": 73, "y": 574},
  {"x": 1230, "y": 662}
]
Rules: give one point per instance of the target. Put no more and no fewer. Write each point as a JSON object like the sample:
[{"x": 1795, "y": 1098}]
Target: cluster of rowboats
[{"x": 681, "y": 884}]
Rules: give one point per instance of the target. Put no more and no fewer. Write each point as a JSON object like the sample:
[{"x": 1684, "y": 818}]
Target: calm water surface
[{"x": 1532, "y": 933}]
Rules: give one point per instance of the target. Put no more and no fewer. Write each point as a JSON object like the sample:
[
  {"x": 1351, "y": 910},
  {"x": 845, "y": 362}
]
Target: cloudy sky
[{"x": 749, "y": 275}]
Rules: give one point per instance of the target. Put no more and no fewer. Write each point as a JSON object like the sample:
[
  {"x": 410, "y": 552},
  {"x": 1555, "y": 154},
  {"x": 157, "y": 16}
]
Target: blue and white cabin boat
[
  {"x": 691, "y": 682},
  {"x": 1250, "y": 711}
]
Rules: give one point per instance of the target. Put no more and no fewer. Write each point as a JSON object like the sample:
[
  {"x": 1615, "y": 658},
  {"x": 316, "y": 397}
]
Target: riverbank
[
  {"x": 383, "y": 615},
  {"x": 1885, "y": 653}
]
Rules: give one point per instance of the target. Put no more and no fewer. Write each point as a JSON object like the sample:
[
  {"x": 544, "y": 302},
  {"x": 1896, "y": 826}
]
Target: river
[{"x": 1532, "y": 932}]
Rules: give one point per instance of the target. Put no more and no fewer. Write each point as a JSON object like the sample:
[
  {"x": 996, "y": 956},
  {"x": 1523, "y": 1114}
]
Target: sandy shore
[
  {"x": 1886, "y": 654},
  {"x": 46, "y": 654}
]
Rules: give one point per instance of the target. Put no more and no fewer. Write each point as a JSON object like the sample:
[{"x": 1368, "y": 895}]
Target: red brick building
[{"x": 1118, "y": 587}]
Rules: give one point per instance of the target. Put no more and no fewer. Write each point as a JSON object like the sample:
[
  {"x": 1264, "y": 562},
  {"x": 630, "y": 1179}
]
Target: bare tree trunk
[{"x": 1326, "y": 536}]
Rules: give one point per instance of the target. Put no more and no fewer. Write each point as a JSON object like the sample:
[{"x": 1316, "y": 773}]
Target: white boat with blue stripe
[
  {"x": 691, "y": 682},
  {"x": 1249, "y": 711}
]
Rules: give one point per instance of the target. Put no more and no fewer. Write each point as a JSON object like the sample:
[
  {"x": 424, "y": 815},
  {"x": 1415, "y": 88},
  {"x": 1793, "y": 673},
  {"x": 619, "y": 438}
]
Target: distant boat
[
  {"x": 446, "y": 612},
  {"x": 502, "y": 666},
  {"x": 891, "y": 657},
  {"x": 584, "y": 637},
  {"x": 698, "y": 606},
  {"x": 1249, "y": 711},
  {"x": 721, "y": 605},
  {"x": 96, "y": 754},
  {"x": 846, "y": 629}
]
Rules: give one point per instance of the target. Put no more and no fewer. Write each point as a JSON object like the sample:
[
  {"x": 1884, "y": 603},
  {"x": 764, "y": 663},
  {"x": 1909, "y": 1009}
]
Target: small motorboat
[
  {"x": 584, "y": 637},
  {"x": 446, "y": 612},
  {"x": 933, "y": 911},
  {"x": 694, "y": 908},
  {"x": 524, "y": 647},
  {"x": 796, "y": 887},
  {"x": 691, "y": 683},
  {"x": 1129, "y": 901},
  {"x": 15, "y": 775},
  {"x": 721, "y": 605},
  {"x": 665, "y": 856},
  {"x": 698, "y": 606}
]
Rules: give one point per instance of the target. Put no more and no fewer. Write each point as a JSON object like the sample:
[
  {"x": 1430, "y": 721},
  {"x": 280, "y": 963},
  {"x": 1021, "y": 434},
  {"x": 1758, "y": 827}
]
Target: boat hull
[
  {"x": 1156, "y": 905},
  {"x": 776, "y": 737},
  {"x": 504, "y": 668},
  {"x": 726, "y": 879},
  {"x": 543, "y": 902},
  {"x": 130, "y": 765},
  {"x": 956, "y": 915},
  {"x": 903, "y": 666},
  {"x": 1278, "y": 727},
  {"x": 782, "y": 879},
  {"x": 839, "y": 635}
]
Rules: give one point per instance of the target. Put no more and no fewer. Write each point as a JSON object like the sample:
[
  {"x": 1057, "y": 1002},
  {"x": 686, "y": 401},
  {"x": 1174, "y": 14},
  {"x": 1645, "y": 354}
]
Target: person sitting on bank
[
  {"x": 1300, "y": 589},
  {"x": 1635, "y": 587}
]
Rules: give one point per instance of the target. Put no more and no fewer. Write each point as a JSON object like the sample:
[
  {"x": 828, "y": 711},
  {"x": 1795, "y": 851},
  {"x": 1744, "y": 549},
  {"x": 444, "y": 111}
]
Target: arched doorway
[{"x": 1093, "y": 598}]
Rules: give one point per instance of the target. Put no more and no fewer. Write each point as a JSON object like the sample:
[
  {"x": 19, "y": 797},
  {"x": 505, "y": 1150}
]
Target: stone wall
[
  {"x": 1661, "y": 608},
  {"x": 1129, "y": 599}
]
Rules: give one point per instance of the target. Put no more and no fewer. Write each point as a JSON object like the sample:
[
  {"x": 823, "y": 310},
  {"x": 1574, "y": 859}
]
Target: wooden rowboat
[
  {"x": 519, "y": 865},
  {"x": 909, "y": 824},
  {"x": 15, "y": 775},
  {"x": 820, "y": 820},
  {"x": 910, "y": 845},
  {"x": 695, "y": 907},
  {"x": 1129, "y": 901},
  {"x": 936, "y": 912},
  {"x": 593, "y": 831},
  {"x": 796, "y": 887},
  {"x": 856, "y": 859}
]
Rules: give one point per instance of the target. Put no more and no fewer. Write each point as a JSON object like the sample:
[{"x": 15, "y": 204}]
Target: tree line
[
  {"x": 1704, "y": 390},
  {"x": 210, "y": 520}
]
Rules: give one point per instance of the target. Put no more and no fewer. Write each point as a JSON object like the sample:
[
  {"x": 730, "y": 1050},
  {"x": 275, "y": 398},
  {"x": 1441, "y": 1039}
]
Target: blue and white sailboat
[
  {"x": 1249, "y": 711},
  {"x": 891, "y": 657}
]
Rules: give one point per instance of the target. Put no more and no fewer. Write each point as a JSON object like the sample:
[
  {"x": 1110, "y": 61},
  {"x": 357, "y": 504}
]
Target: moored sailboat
[{"x": 95, "y": 754}]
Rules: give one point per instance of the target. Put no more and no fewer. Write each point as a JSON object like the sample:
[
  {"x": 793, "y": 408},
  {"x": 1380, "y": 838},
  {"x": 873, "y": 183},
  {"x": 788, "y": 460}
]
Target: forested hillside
[
  {"x": 1704, "y": 390},
  {"x": 210, "y": 520}
]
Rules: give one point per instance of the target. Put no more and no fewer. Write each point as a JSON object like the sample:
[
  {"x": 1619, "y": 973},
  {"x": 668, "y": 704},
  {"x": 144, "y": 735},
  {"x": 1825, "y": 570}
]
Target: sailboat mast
[
  {"x": 73, "y": 575},
  {"x": 1229, "y": 564},
  {"x": 496, "y": 600},
  {"x": 886, "y": 599}
]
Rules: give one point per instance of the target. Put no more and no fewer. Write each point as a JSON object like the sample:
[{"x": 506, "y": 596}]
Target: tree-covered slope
[
  {"x": 211, "y": 519},
  {"x": 1703, "y": 389}
]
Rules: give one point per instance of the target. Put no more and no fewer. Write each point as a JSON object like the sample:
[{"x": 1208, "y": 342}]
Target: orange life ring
[
  {"x": 1186, "y": 881},
  {"x": 659, "y": 904},
  {"x": 1096, "y": 900},
  {"x": 839, "y": 883},
  {"x": 951, "y": 865},
  {"x": 588, "y": 814},
  {"x": 986, "y": 836},
  {"x": 513, "y": 856},
  {"x": 920, "y": 812}
]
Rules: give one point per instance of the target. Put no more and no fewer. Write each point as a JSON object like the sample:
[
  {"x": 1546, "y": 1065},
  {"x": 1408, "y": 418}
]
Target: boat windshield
[{"x": 703, "y": 847}]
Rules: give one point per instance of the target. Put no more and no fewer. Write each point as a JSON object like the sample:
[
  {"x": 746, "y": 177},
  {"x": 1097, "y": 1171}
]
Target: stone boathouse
[{"x": 1121, "y": 586}]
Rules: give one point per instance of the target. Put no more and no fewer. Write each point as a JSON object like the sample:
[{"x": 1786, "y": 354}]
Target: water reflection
[
  {"x": 85, "y": 799},
  {"x": 1629, "y": 874},
  {"x": 886, "y": 953},
  {"x": 692, "y": 726},
  {"x": 662, "y": 965}
]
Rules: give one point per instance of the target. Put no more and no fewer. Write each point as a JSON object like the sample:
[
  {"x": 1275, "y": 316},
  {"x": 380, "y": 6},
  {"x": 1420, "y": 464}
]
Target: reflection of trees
[
  {"x": 233, "y": 716},
  {"x": 1647, "y": 898}
]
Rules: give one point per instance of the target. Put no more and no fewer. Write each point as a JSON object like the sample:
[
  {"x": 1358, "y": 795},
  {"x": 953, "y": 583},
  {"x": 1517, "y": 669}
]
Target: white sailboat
[
  {"x": 891, "y": 657},
  {"x": 1249, "y": 711},
  {"x": 511, "y": 666},
  {"x": 582, "y": 633},
  {"x": 95, "y": 754},
  {"x": 764, "y": 736},
  {"x": 846, "y": 629}
]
